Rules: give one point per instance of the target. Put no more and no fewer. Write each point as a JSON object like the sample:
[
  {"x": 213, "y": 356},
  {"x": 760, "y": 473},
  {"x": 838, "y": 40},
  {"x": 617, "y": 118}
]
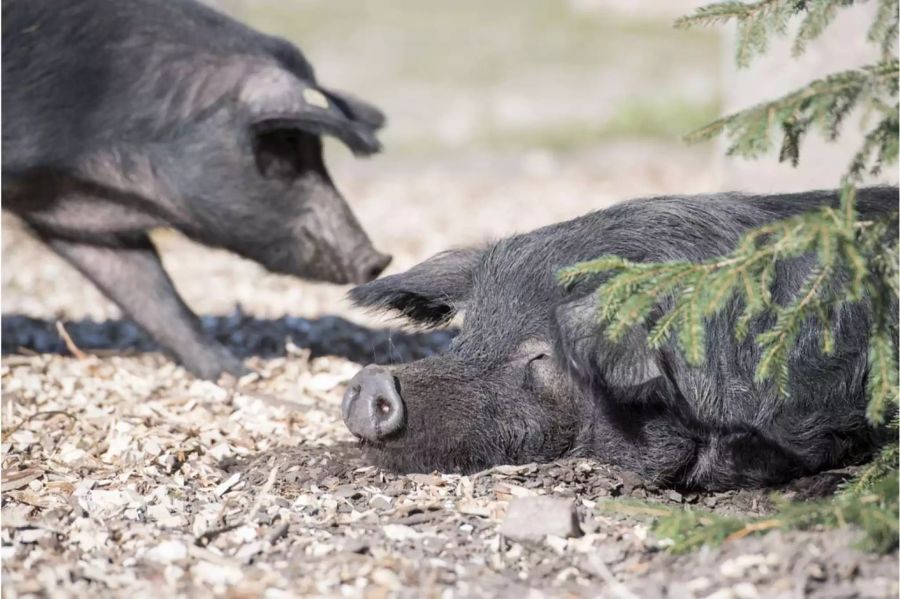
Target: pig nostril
[
  {"x": 382, "y": 406},
  {"x": 353, "y": 392},
  {"x": 374, "y": 268},
  {"x": 372, "y": 272}
]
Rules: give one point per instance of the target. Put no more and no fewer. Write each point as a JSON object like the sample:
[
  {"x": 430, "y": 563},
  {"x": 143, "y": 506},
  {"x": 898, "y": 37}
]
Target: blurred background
[{"x": 503, "y": 116}]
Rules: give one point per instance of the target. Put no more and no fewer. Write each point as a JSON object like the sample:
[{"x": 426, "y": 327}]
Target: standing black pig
[
  {"x": 120, "y": 116},
  {"x": 530, "y": 377}
]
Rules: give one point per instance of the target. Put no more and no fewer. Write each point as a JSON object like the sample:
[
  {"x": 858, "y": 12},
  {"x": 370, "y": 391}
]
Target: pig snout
[
  {"x": 372, "y": 408},
  {"x": 335, "y": 246},
  {"x": 369, "y": 267}
]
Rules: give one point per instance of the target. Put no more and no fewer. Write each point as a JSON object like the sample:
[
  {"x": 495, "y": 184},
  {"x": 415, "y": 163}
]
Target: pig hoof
[{"x": 212, "y": 367}]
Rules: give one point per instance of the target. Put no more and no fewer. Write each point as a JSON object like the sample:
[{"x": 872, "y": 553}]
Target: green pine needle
[
  {"x": 823, "y": 102},
  {"x": 882, "y": 382},
  {"x": 758, "y": 21},
  {"x": 872, "y": 508}
]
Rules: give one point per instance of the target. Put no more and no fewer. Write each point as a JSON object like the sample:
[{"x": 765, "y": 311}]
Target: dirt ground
[{"x": 123, "y": 475}]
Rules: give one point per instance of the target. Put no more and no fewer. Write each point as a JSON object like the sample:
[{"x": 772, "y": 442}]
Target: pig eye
[
  {"x": 535, "y": 358},
  {"x": 537, "y": 369}
]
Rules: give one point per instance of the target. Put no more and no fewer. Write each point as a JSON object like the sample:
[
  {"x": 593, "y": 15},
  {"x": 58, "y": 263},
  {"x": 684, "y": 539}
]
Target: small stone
[
  {"x": 473, "y": 508},
  {"x": 347, "y": 492},
  {"x": 167, "y": 552},
  {"x": 397, "y": 487},
  {"x": 816, "y": 572},
  {"x": 386, "y": 578},
  {"x": 680, "y": 590},
  {"x": 738, "y": 566},
  {"x": 533, "y": 518},
  {"x": 515, "y": 552},
  {"x": 103, "y": 504},
  {"x": 220, "y": 451},
  {"x": 215, "y": 574},
  {"x": 745, "y": 590},
  {"x": 698, "y": 585},
  {"x": 69, "y": 454},
  {"x": 630, "y": 482},
  {"x": 399, "y": 532},
  {"x": 380, "y": 502},
  {"x": 641, "y": 532},
  {"x": 158, "y": 512},
  {"x": 611, "y": 553},
  {"x": 31, "y": 535},
  {"x": 434, "y": 544},
  {"x": 558, "y": 544}
]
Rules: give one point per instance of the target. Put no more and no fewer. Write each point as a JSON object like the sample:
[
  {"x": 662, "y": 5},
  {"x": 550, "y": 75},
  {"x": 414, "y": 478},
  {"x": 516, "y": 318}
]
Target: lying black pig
[
  {"x": 530, "y": 378},
  {"x": 123, "y": 116}
]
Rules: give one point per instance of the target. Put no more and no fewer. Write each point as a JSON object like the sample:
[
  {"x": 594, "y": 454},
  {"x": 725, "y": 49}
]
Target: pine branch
[
  {"x": 819, "y": 15},
  {"x": 884, "y": 28},
  {"x": 778, "y": 341},
  {"x": 824, "y": 102},
  {"x": 884, "y": 465},
  {"x": 722, "y": 12},
  {"x": 758, "y": 21},
  {"x": 874, "y": 509},
  {"x": 883, "y": 380},
  {"x": 879, "y": 147}
]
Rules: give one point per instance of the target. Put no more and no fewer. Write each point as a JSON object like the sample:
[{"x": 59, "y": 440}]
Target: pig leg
[{"x": 132, "y": 276}]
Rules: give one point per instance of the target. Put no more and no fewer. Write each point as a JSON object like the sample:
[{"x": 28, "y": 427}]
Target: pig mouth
[
  {"x": 308, "y": 260},
  {"x": 403, "y": 460},
  {"x": 405, "y": 456}
]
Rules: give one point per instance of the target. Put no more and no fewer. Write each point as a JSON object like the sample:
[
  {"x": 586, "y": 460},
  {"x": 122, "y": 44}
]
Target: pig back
[{"x": 83, "y": 77}]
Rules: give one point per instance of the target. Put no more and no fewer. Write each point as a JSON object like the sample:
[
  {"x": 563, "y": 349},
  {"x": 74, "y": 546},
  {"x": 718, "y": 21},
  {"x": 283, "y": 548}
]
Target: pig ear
[
  {"x": 276, "y": 99},
  {"x": 357, "y": 110},
  {"x": 627, "y": 365},
  {"x": 430, "y": 293}
]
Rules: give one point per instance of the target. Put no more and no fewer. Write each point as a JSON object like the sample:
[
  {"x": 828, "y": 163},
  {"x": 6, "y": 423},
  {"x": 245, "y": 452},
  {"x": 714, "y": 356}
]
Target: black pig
[
  {"x": 120, "y": 116},
  {"x": 530, "y": 378}
]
